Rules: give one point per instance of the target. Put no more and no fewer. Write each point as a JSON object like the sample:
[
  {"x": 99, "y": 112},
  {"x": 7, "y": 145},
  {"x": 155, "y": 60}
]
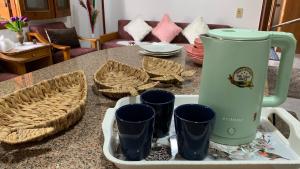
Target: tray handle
[
  {"x": 107, "y": 123},
  {"x": 293, "y": 123}
]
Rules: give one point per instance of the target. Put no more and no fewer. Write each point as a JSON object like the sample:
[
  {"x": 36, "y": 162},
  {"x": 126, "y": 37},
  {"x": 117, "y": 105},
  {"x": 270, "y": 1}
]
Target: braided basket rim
[
  {"x": 59, "y": 119},
  {"x": 115, "y": 92},
  {"x": 111, "y": 61},
  {"x": 147, "y": 60}
]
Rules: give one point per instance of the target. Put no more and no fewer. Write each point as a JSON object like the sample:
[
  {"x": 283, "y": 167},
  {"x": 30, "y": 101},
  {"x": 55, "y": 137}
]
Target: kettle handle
[{"x": 287, "y": 43}]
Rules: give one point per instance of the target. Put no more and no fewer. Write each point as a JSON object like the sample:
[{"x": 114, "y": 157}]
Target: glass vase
[{"x": 20, "y": 37}]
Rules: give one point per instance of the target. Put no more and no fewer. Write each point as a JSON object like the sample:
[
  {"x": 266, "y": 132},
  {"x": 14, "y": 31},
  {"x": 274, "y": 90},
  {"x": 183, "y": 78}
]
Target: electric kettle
[{"x": 233, "y": 79}]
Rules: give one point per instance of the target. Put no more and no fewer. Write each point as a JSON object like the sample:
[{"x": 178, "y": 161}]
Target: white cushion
[
  {"x": 194, "y": 29},
  {"x": 138, "y": 29}
]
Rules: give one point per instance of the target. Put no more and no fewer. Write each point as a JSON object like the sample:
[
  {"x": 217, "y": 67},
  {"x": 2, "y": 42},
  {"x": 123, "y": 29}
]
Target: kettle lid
[{"x": 238, "y": 34}]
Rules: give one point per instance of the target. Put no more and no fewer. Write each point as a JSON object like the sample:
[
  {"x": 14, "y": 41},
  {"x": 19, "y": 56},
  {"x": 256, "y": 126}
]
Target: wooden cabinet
[
  {"x": 62, "y": 8},
  {"x": 35, "y": 9},
  {"x": 289, "y": 11}
]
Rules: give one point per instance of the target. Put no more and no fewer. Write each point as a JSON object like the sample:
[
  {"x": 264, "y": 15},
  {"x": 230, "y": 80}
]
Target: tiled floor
[{"x": 291, "y": 104}]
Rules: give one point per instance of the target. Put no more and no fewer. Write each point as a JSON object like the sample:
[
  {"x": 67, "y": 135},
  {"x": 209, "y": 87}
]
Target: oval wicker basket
[
  {"x": 116, "y": 80},
  {"x": 43, "y": 109},
  {"x": 165, "y": 71}
]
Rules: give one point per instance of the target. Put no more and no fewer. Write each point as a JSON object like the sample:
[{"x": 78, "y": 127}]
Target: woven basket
[
  {"x": 116, "y": 80},
  {"x": 43, "y": 109},
  {"x": 165, "y": 71}
]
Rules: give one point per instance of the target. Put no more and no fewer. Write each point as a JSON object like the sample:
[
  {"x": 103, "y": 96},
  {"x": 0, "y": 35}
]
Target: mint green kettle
[{"x": 233, "y": 79}]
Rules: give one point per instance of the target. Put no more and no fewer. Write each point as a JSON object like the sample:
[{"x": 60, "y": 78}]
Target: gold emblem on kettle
[{"x": 242, "y": 77}]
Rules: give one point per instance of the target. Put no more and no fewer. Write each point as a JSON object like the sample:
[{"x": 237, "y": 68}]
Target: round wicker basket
[{"x": 43, "y": 109}]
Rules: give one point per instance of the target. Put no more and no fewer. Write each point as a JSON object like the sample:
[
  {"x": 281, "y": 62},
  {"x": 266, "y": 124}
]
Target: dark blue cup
[
  {"x": 163, "y": 103},
  {"x": 135, "y": 123},
  {"x": 193, "y": 124}
]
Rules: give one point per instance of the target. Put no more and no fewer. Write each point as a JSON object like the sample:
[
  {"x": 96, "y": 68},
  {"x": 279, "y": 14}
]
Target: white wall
[
  {"x": 213, "y": 11},
  {"x": 114, "y": 10}
]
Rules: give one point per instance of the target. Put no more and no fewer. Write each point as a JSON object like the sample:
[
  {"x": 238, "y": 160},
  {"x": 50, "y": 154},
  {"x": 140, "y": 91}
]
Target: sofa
[{"x": 110, "y": 40}]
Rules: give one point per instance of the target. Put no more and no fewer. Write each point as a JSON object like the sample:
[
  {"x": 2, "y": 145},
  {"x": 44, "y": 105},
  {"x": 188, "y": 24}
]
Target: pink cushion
[{"x": 166, "y": 30}]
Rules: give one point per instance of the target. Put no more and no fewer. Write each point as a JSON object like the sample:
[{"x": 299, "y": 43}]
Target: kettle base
[{"x": 232, "y": 141}]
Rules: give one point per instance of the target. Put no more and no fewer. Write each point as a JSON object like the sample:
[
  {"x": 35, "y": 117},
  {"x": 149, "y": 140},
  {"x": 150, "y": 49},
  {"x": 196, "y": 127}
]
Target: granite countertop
[{"x": 81, "y": 145}]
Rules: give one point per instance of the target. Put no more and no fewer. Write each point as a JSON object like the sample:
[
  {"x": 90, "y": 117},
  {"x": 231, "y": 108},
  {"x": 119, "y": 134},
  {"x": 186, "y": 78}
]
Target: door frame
[{"x": 267, "y": 15}]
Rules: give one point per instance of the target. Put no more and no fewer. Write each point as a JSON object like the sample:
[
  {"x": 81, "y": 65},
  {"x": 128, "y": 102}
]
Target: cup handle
[{"x": 287, "y": 43}]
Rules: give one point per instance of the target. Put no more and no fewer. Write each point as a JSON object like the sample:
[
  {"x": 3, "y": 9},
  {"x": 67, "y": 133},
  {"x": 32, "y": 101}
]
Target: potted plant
[
  {"x": 16, "y": 24},
  {"x": 89, "y": 5}
]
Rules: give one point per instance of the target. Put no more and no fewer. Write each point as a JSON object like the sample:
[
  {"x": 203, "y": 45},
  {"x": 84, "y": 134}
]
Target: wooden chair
[{"x": 62, "y": 52}]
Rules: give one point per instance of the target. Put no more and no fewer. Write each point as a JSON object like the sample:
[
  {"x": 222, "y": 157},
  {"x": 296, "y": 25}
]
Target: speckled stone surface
[{"x": 81, "y": 145}]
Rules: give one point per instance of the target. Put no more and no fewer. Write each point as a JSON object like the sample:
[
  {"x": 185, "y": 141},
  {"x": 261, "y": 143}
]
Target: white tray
[{"x": 291, "y": 146}]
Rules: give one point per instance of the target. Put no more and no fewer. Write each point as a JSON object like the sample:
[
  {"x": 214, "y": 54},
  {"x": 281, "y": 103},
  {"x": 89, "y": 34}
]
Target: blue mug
[
  {"x": 135, "y": 124},
  {"x": 193, "y": 124}
]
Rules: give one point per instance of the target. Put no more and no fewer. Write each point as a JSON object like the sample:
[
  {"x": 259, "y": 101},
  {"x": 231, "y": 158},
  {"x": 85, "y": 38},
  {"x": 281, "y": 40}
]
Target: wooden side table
[{"x": 17, "y": 58}]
